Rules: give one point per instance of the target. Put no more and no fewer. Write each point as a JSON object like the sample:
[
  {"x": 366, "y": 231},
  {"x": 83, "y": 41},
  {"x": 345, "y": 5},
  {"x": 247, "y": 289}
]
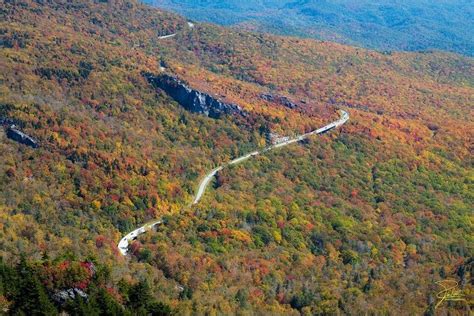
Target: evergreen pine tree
[{"x": 31, "y": 298}]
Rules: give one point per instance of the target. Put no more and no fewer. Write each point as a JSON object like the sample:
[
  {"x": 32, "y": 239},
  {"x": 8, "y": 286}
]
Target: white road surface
[
  {"x": 127, "y": 239},
  {"x": 207, "y": 179},
  {"x": 167, "y": 36},
  {"x": 190, "y": 25}
]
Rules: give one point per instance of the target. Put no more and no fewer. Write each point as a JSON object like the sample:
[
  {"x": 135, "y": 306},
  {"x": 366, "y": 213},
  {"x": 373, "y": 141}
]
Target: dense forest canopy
[
  {"x": 412, "y": 25},
  {"x": 365, "y": 219}
]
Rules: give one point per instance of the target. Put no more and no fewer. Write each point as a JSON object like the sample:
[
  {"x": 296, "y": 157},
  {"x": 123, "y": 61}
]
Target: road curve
[
  {"x": 127, "y": 239},
  {"x": 204, "y": 183},
  {"x": 207, "y": 179}
]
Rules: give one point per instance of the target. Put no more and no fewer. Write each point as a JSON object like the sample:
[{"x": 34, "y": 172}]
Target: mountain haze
[{"x": 411, "y": 25}]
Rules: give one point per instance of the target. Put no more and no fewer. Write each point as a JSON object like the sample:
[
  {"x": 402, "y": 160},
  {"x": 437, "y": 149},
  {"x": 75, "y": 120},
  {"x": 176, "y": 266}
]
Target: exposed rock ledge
[
  {"x": 193, "y": 100},
  {"x": 7, "y": 121},
  {"x": 279, "y": 99},
  {"x": 21, "y": 137}
]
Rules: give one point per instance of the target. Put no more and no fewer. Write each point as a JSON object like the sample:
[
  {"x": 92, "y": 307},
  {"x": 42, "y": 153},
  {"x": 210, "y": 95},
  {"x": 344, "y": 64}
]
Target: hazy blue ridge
[{"x": 411, "y": 25}]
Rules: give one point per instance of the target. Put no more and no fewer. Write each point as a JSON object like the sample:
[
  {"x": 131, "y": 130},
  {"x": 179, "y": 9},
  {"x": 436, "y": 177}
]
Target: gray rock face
[
  {"x": 69, "y": 294},
  {"x": 193, "y": 100},
  {"x": 279, "y": 99},
  {"x": 6, "y": 121},
  {"x": 21, "y": 137}
]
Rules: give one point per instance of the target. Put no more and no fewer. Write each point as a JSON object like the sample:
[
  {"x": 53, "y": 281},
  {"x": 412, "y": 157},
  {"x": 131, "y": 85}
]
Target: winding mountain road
[
  {"x": 189, "y": 24},
  {"x": 207, "y": 179},
  {"x": 125, "y": 241}
]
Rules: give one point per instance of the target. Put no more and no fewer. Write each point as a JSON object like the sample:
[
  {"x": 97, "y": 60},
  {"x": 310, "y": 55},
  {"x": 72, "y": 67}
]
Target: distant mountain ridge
[{"x": 383, "y": 25}]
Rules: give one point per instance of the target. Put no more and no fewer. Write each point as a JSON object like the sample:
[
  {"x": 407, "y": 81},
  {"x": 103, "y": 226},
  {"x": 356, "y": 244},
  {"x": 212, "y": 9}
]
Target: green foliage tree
[{"x": 31, "y": 297}]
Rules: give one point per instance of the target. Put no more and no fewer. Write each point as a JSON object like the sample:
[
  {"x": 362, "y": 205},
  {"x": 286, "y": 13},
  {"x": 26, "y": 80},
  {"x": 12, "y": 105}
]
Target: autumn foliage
[{"x": 365, "y": 219}]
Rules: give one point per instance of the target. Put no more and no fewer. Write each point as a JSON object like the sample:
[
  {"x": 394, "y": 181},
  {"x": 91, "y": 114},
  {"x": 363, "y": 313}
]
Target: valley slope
[{"x": 364, "y": 219}]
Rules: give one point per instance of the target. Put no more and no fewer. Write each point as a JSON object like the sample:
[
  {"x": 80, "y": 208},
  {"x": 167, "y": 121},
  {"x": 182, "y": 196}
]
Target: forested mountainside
[
  {"x": 411, "y": 25},
  {"x": 365, "y": 219}
]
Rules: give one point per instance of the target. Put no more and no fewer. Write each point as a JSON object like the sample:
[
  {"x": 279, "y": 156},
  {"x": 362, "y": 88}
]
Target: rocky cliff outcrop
[
  {"x": 7, "y": 121},
  {"x": 64, "y": 296},
  {"x": 21, "y": 137},
  {"x": 191, "y": 99},
  {"x": 279, "y": 99}
]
